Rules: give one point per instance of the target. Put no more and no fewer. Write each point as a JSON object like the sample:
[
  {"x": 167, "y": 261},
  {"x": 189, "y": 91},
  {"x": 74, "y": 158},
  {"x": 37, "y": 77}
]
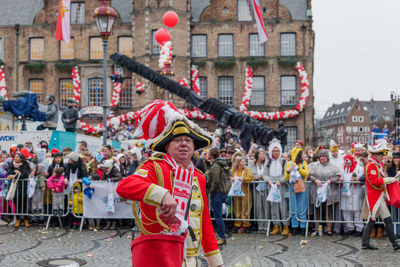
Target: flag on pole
[
  {"x": 262, "y": 33},
  {"x": 63, "y": 29}
]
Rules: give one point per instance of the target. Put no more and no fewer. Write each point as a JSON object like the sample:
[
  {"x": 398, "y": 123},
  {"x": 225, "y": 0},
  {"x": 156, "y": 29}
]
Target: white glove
[{"x": 389, "y": 180}]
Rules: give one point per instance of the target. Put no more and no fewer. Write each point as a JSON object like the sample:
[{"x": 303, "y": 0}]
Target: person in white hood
[
  {"x": 276, "y": 175},
  {"x": 136, "y": 157},
  {"x": 334, "y": 155}
]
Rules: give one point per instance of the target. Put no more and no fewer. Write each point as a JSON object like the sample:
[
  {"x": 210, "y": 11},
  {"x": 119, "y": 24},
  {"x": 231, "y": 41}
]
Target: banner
[
  {"x": 96, "y": 207},
  {"x": 55, "y": 139},
  {"x": 7, "y": 139}
]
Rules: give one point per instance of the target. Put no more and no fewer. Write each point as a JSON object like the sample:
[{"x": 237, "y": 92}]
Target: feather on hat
[{"x": 160, "y": 122}]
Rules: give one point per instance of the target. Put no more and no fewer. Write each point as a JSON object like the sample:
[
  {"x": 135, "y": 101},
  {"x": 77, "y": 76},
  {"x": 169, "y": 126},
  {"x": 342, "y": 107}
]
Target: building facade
[
  {"x": 344, "y": 123},
  {"x": 220, "y": 37}
]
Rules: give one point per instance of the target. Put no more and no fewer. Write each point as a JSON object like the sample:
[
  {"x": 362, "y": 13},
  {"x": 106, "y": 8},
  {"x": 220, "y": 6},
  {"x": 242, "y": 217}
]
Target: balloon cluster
[
  {"x": 114, "y": 121},
  {"x": 170, "y": 20},
  {"x": 76, "y": 80},
  {"x": 117, "y": 88},
  {"x": 247, "y": 90},
  {"x": 140, "y": 87},
  {"x": 195, "y": 79},
  {"x": 3, "y": 88},
  {"x": 165, "y": 55}
]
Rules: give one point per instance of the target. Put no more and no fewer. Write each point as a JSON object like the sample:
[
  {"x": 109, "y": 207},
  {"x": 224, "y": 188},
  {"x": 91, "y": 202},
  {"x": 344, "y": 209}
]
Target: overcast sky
[{"x": 357, "y": 50}]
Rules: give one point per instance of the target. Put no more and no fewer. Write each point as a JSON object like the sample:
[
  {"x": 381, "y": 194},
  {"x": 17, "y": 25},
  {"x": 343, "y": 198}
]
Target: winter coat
[
  {"x": 114, "y": 175},
  {"x": 40, "y": 182},
  {"x": 51, "y": 115},
  {"x": 214, "y": 174},
  {"x": 325, "y": 172},
  {"x": 254, "y": 171},
  {"x": 71, "y": 114},
  {"x": 76, "y": 200},
  {"x": 132, "y": 167},
  {"x": 303, "y": 167},
  {"x": 52, "y": 166},
  {"x": 56, "y": 184},
  {"x": 355, "y": 199},
  {"x": 203, "y": 165},
  {"x": 79, "y": 167},
  {"x": 24, "y": 169}
]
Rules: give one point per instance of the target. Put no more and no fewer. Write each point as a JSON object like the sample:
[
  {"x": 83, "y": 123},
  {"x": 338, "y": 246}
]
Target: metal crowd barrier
[
  {"x": 257, "y": 207},
  {"x": 21, "y": 205},
  {"x": 327, "y": 213}
]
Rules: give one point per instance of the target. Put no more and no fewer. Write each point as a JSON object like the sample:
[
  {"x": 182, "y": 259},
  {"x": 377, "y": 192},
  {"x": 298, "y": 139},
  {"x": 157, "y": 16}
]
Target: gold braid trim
[
  {"x": 138, "y": 221},
  {"x": 377, "y": 188},
  {"x": 160, "y": 181}
]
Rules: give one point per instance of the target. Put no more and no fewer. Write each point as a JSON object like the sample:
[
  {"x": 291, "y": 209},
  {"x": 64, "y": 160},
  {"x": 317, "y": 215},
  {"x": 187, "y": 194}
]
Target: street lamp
[{"x": 104, "y": 16}]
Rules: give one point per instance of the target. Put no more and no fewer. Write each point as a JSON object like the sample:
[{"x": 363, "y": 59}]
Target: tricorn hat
[
  {"x": 380, "y": 146},
  {"x": 160, "y": 122}
]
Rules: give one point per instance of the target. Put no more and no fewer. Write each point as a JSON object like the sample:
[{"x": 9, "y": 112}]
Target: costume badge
[
  {"x": 373, "y": 172},
  {"x": 195, "y": 188},
  {"x": 142, "y": 173}
]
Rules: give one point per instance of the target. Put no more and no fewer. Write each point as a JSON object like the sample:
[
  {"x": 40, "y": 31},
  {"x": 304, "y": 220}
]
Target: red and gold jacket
[
  {"x": 148, "y": 185},
  {"x": 373, "y": 182}
]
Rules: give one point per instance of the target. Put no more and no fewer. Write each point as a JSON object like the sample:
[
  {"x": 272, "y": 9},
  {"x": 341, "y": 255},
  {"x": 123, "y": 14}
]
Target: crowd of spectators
[{"x": 298, "y": 173}]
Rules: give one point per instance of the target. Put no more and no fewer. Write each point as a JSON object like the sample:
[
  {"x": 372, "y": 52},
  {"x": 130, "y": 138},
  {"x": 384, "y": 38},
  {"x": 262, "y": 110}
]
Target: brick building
[
  {"x": 344, "y": 123},
  {"x": 219, "y": 36}
]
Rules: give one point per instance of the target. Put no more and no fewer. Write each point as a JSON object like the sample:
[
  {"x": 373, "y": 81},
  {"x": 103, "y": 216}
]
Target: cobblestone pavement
[{"x": 26, "y": 247}]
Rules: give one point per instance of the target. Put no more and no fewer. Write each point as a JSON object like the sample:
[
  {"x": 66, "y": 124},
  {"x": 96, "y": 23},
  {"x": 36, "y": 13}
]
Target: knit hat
[
  {"x": 301, "y": 143},
  {"x": 324, "y": 153},
  {"x": 24, "y": 151},
  {"x": 396, "y": 154},
  {"x": 160, "y": 122},
  {"x": 52, "y": 98},
  {"x": 43, "y": 143},
  {"x": 107, "y": 164},
  {"x": 72, "y": 156}
]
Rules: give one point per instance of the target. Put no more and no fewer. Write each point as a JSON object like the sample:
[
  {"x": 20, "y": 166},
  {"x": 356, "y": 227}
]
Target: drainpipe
[{"x": 17, "y": 32}]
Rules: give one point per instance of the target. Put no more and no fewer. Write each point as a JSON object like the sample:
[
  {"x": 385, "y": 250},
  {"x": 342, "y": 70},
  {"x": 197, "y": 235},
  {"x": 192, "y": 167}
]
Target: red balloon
[
  {"x": 170, "y": 19},
  {"x": 162, "y": 36}
]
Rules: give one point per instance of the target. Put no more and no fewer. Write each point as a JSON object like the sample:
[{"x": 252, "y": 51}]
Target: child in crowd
[
  {"x": 76, "y": 203},
  {"x": 37, "y": 198},
  {"x": 4, "y": 186},
  {"x": 57, "y": 186}
]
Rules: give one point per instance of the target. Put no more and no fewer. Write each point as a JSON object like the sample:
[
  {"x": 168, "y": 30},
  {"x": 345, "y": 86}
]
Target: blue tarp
[{"x": 25, "y": 106}]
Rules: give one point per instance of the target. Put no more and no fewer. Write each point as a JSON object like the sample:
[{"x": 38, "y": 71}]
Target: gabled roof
[
  {"x": 339, "y": 110},
  {"x": 379, "y": 109}
]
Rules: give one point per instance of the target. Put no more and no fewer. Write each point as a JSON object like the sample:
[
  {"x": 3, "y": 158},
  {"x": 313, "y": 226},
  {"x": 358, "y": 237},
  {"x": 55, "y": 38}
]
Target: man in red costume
[
  {"x": 374, "y": 203},
  {"x": 156, "y": 186}
]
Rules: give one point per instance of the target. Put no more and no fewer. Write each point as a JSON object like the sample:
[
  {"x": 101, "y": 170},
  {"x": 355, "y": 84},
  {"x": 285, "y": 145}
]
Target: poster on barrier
[{"x": 97, "y": 206}]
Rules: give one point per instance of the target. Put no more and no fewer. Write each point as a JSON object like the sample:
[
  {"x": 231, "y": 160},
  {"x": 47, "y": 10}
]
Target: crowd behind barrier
[
  {"x": 284, "y": 208},
  {"x": 65, "y": 181},
  {"x": 280, "y": 213}
]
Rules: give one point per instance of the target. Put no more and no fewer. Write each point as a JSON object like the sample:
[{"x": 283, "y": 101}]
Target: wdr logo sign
[{"x": 7, "y": 138}]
